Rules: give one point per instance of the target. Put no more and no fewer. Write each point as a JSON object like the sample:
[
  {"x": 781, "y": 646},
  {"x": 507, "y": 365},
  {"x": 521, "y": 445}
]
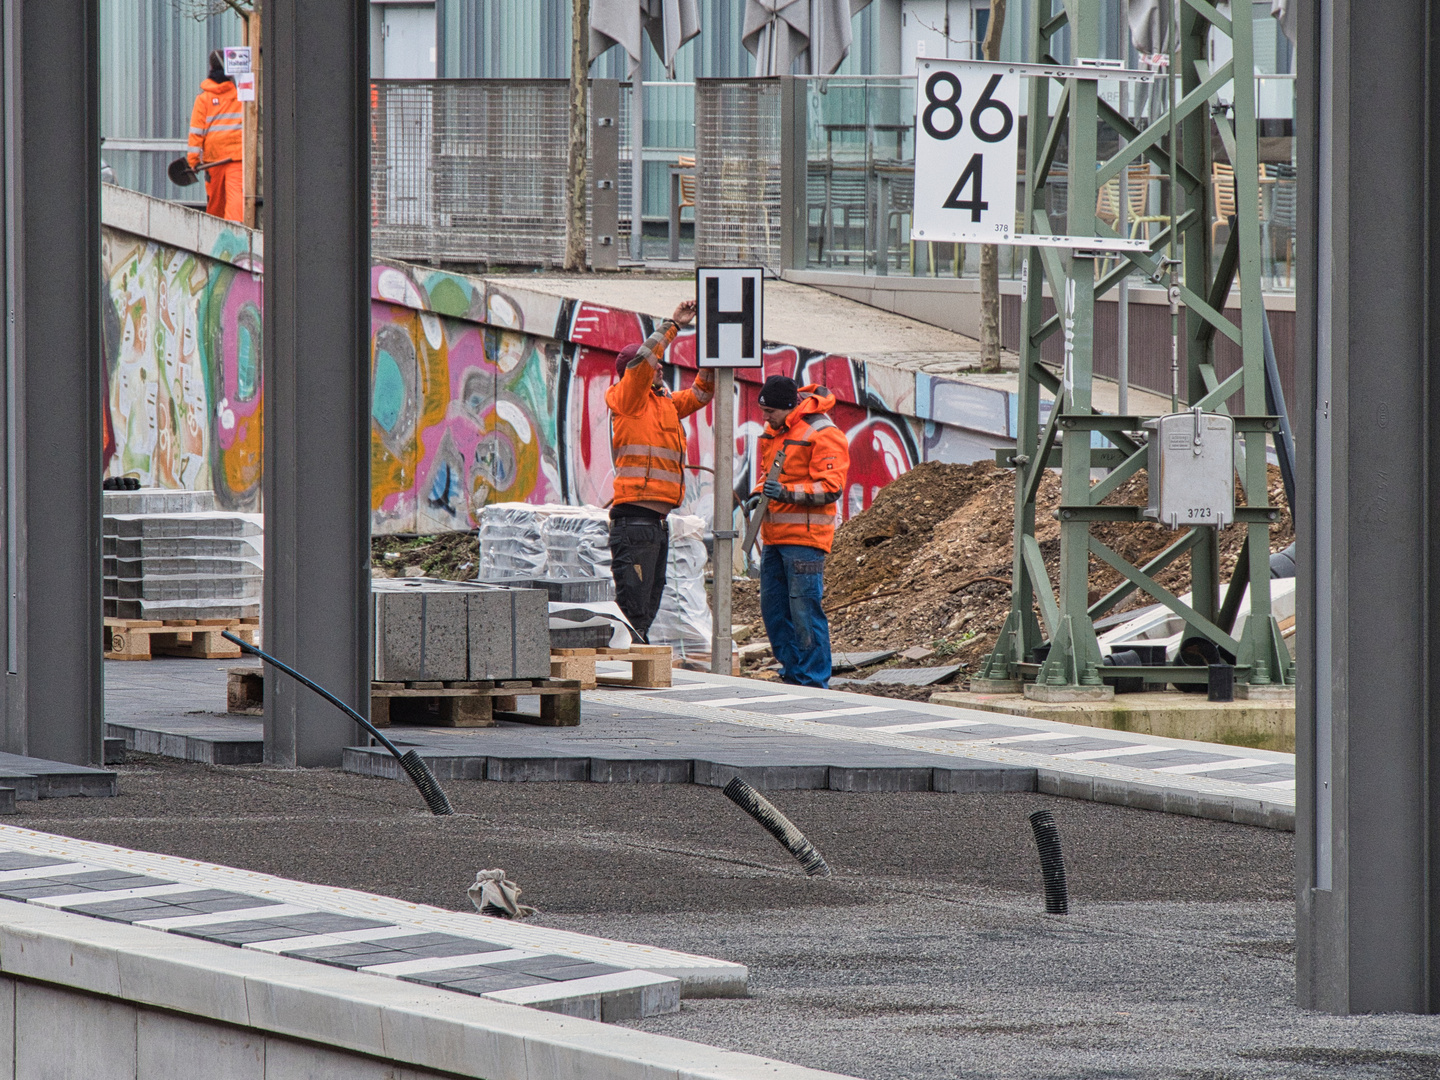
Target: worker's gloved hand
[
  {"x": 775, "y": 491},
  {"x": 750, "y": 504}
]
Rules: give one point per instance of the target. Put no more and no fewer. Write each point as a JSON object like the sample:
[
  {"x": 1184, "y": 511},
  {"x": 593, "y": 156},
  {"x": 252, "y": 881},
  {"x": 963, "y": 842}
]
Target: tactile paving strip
[{"x": 297, "y": 921}]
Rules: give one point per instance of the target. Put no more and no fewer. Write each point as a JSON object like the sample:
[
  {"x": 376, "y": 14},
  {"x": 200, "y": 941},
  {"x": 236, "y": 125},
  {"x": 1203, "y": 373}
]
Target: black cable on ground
[
  {"x": 413, "y": 764},
  {"x": 778, "y": 826},
  {"x": 1052, "y": 862}
]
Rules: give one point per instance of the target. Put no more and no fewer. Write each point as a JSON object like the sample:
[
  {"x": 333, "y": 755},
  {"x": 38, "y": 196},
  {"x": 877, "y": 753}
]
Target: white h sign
[
  {"x": 729, "y": 323},
  {"x": 967, "y": 140}
]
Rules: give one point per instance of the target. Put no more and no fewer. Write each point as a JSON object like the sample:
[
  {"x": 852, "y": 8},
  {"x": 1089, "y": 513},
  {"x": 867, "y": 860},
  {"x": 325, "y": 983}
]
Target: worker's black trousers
[{"x": 639, "y": 550}]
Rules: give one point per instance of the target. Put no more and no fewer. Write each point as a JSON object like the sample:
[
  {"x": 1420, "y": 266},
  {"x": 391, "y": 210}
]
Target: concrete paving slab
[{"x": 277, "y": 910}]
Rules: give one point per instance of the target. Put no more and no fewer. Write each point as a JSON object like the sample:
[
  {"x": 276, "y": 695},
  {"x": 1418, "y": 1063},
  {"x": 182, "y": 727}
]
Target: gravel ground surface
[{"x": 927, "y": 955}]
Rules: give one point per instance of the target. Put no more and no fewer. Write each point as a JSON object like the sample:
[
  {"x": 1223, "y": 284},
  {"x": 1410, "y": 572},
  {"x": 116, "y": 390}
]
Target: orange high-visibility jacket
[
  {"x": 647, "y": 441},
  {"x": 817, "y": 458},
  {"x": 216, "y": 124}
]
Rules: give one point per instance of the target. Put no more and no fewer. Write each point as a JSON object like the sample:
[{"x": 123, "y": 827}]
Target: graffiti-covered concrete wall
[{"x": 481, "y": 393}]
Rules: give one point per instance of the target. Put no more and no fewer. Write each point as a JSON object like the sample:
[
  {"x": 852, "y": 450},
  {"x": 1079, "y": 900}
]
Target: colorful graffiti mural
[
  {"x": 480, "y": 393},
  {"x": 182, "y": 370}
]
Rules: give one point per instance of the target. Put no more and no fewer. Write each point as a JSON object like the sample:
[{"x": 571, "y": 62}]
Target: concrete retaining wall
[
  {"x": 482, "y": 393},
  {"x": 105, "y": 1001}
]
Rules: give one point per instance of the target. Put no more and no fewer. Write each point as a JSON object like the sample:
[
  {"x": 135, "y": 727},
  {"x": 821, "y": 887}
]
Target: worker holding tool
[
  {"x": 648, "y": 446},
  {"x": 804, "y": 459},
  {"x": 216, "y": 134}
]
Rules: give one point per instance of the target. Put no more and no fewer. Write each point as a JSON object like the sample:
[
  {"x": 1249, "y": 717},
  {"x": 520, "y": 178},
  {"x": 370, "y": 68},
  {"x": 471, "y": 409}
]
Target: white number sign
[{"x": 967, "y": 141}]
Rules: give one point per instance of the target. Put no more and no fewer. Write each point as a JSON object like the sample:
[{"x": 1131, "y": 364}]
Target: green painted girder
[{"x": 1205, "y": 290}]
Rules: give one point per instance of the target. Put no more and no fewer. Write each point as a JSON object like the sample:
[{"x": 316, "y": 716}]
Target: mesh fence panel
[
  {"x": 737, "y": 170},
  {"x": 469, "y": 170}
]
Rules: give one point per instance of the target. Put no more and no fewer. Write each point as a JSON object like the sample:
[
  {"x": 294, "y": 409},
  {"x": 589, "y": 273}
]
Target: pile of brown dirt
[{"x": 950, "y": 585}]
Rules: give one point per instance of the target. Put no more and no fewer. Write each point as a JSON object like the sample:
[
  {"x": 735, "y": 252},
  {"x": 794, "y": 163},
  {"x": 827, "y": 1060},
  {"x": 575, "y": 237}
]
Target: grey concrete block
[
  {"x": 883, "y": 778},
  {"x": 764, "y": 777},
  {"x": 492, "y": 639},
  {"x": 421, "y": 633},
  {"x": 537, "y": 769},
  {"x": 531, "y": 620},
  {"x": 509, "y": 633},
  {"x": 114, "y": 750},
  {"x": 644, "y": 771},
  {"x": 7, "y": 800},
  {"x": 982, "y": 780}
]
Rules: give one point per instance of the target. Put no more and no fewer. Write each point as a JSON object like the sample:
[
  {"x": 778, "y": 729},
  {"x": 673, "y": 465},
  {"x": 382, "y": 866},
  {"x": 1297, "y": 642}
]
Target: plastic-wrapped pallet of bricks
[
  {"x": 684, "y": 620},
  {"x": 170, "y": 555},
  {"x": 511, "y": 544},
  {"x": 577, "y": 543}
]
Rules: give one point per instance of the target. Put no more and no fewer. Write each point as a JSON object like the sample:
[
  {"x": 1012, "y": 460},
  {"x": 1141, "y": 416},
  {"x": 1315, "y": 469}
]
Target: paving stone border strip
[
  {"x": 696, "y": 976},
  {"x": 329, "y": 1009},
  {"x": 1097, "y": 781}
]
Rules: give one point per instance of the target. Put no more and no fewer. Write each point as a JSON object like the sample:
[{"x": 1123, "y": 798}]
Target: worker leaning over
[
  {"x": 217, "y": 133},
  {"x": 798, "y": 529},
  {"x": 648, "y": 445}
]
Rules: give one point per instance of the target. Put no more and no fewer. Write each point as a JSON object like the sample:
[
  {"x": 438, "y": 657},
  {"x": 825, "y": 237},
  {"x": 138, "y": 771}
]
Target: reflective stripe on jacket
[
  {"x": 217, "y": 124},
  {"x": 647, "y": 441},
  {"x": 817, "y": 459}
]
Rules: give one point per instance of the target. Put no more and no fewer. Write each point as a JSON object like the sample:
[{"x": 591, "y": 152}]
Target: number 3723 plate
[{"x": 967, "y": 140}]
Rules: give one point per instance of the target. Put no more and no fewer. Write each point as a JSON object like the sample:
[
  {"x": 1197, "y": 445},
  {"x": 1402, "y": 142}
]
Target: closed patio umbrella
[
  {"x": 669, "y": 23},
  {"x": 779, "y": 31}
]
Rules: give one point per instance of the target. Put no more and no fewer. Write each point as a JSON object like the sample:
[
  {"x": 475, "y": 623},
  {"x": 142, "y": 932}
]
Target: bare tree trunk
[
  {"x": 989, "y": 253},
  {"x": 579, "y": 123}
]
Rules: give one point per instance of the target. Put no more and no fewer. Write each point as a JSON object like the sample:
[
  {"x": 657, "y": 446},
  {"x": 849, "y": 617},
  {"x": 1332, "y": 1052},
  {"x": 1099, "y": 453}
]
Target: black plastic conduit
[
  {"x": 778, "y": 826},
  {"x": 413, "y": 764},
  {"x": 1052, "y": 862}
]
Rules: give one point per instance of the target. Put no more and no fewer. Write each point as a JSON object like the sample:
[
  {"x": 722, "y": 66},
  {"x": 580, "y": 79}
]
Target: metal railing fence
[
  {"x": 469, "y": 170},
  {"x": 738, "y": 172}
]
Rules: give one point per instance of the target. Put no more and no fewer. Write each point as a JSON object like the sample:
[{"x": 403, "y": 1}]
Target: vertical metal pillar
[
  {"x": 723, "y": 520},
  {"x": 53, "y": 688},
  {"x": 1368, "y": 794},
  {"x": 317, "y": 373}
]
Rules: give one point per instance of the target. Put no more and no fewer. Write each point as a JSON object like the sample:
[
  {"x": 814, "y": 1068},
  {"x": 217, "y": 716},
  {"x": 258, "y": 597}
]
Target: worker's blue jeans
[{"x": 791, "y": 587}]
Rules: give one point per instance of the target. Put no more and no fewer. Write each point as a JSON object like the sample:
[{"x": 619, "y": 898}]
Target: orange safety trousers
[{"x": 225, "y": 191}]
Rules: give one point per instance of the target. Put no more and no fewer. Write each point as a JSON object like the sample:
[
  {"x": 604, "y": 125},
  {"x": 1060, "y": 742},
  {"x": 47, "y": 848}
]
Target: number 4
[{"x": 974, "y": 203}]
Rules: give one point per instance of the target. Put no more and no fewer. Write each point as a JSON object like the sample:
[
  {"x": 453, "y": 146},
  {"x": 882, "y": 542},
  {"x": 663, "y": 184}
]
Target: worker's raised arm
[{"x": 700, "y": 394}]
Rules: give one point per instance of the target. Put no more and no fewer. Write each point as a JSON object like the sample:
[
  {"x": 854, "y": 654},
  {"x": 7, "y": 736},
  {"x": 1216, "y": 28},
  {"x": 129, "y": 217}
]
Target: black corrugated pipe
[
  {"x": 413, "y": 764},
  {"x": 778, "y": 826},
  {"x": 1052, "y": 862}
]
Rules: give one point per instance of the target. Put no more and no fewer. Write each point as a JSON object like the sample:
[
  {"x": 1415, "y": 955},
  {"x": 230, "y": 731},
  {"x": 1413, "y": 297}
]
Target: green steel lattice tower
[{"x": 1178, "y": 144}]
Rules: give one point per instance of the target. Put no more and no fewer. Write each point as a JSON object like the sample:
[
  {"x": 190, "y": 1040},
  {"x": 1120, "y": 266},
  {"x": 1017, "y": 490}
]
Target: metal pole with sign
[{"x": 729, "y": 333}]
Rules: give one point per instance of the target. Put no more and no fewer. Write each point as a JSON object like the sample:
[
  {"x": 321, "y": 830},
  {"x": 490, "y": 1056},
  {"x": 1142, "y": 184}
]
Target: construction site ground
[{"x": 926, "y": 955}]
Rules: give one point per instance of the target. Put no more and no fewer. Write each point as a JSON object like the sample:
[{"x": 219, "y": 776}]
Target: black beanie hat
[{"x": 779, "y": 392}]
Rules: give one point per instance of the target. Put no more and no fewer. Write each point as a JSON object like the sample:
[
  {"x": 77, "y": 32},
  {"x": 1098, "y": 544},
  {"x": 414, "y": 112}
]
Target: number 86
[{"x": 950, "y": 105}]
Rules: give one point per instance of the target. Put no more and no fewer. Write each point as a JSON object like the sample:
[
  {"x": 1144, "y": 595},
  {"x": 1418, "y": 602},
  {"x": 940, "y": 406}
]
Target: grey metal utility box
[{"x": 1192, "y": 469}]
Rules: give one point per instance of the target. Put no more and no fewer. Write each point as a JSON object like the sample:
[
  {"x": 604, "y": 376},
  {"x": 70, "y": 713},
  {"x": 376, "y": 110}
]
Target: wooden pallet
[
  {"x": 649, "y": 666},
  {"x": 199, "y": 639},
  {"x": 245, "y": 691},
  {"x": 475, "y": 704}
]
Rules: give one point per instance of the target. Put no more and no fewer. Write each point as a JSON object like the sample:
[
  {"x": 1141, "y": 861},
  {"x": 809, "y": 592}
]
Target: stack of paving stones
[
  {"x": 468, "y": 965},
  {"x": 426, "y": 629},
  {"x": 564, "y": 550},
  {"x": 173, "y": 556}
]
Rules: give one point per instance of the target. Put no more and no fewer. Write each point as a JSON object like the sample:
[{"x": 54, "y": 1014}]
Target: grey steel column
[
  {"x": 1367, "y": 792},
  {"x": 317, "y": 373},
  {"x": 53, "y": 685}
]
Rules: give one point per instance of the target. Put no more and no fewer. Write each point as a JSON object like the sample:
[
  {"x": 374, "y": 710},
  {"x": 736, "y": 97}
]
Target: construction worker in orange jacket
[
  {"x": 648, "y": 445},
  {"x": 798, "y": 529},
  {"x": 217, "y": 125}
]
